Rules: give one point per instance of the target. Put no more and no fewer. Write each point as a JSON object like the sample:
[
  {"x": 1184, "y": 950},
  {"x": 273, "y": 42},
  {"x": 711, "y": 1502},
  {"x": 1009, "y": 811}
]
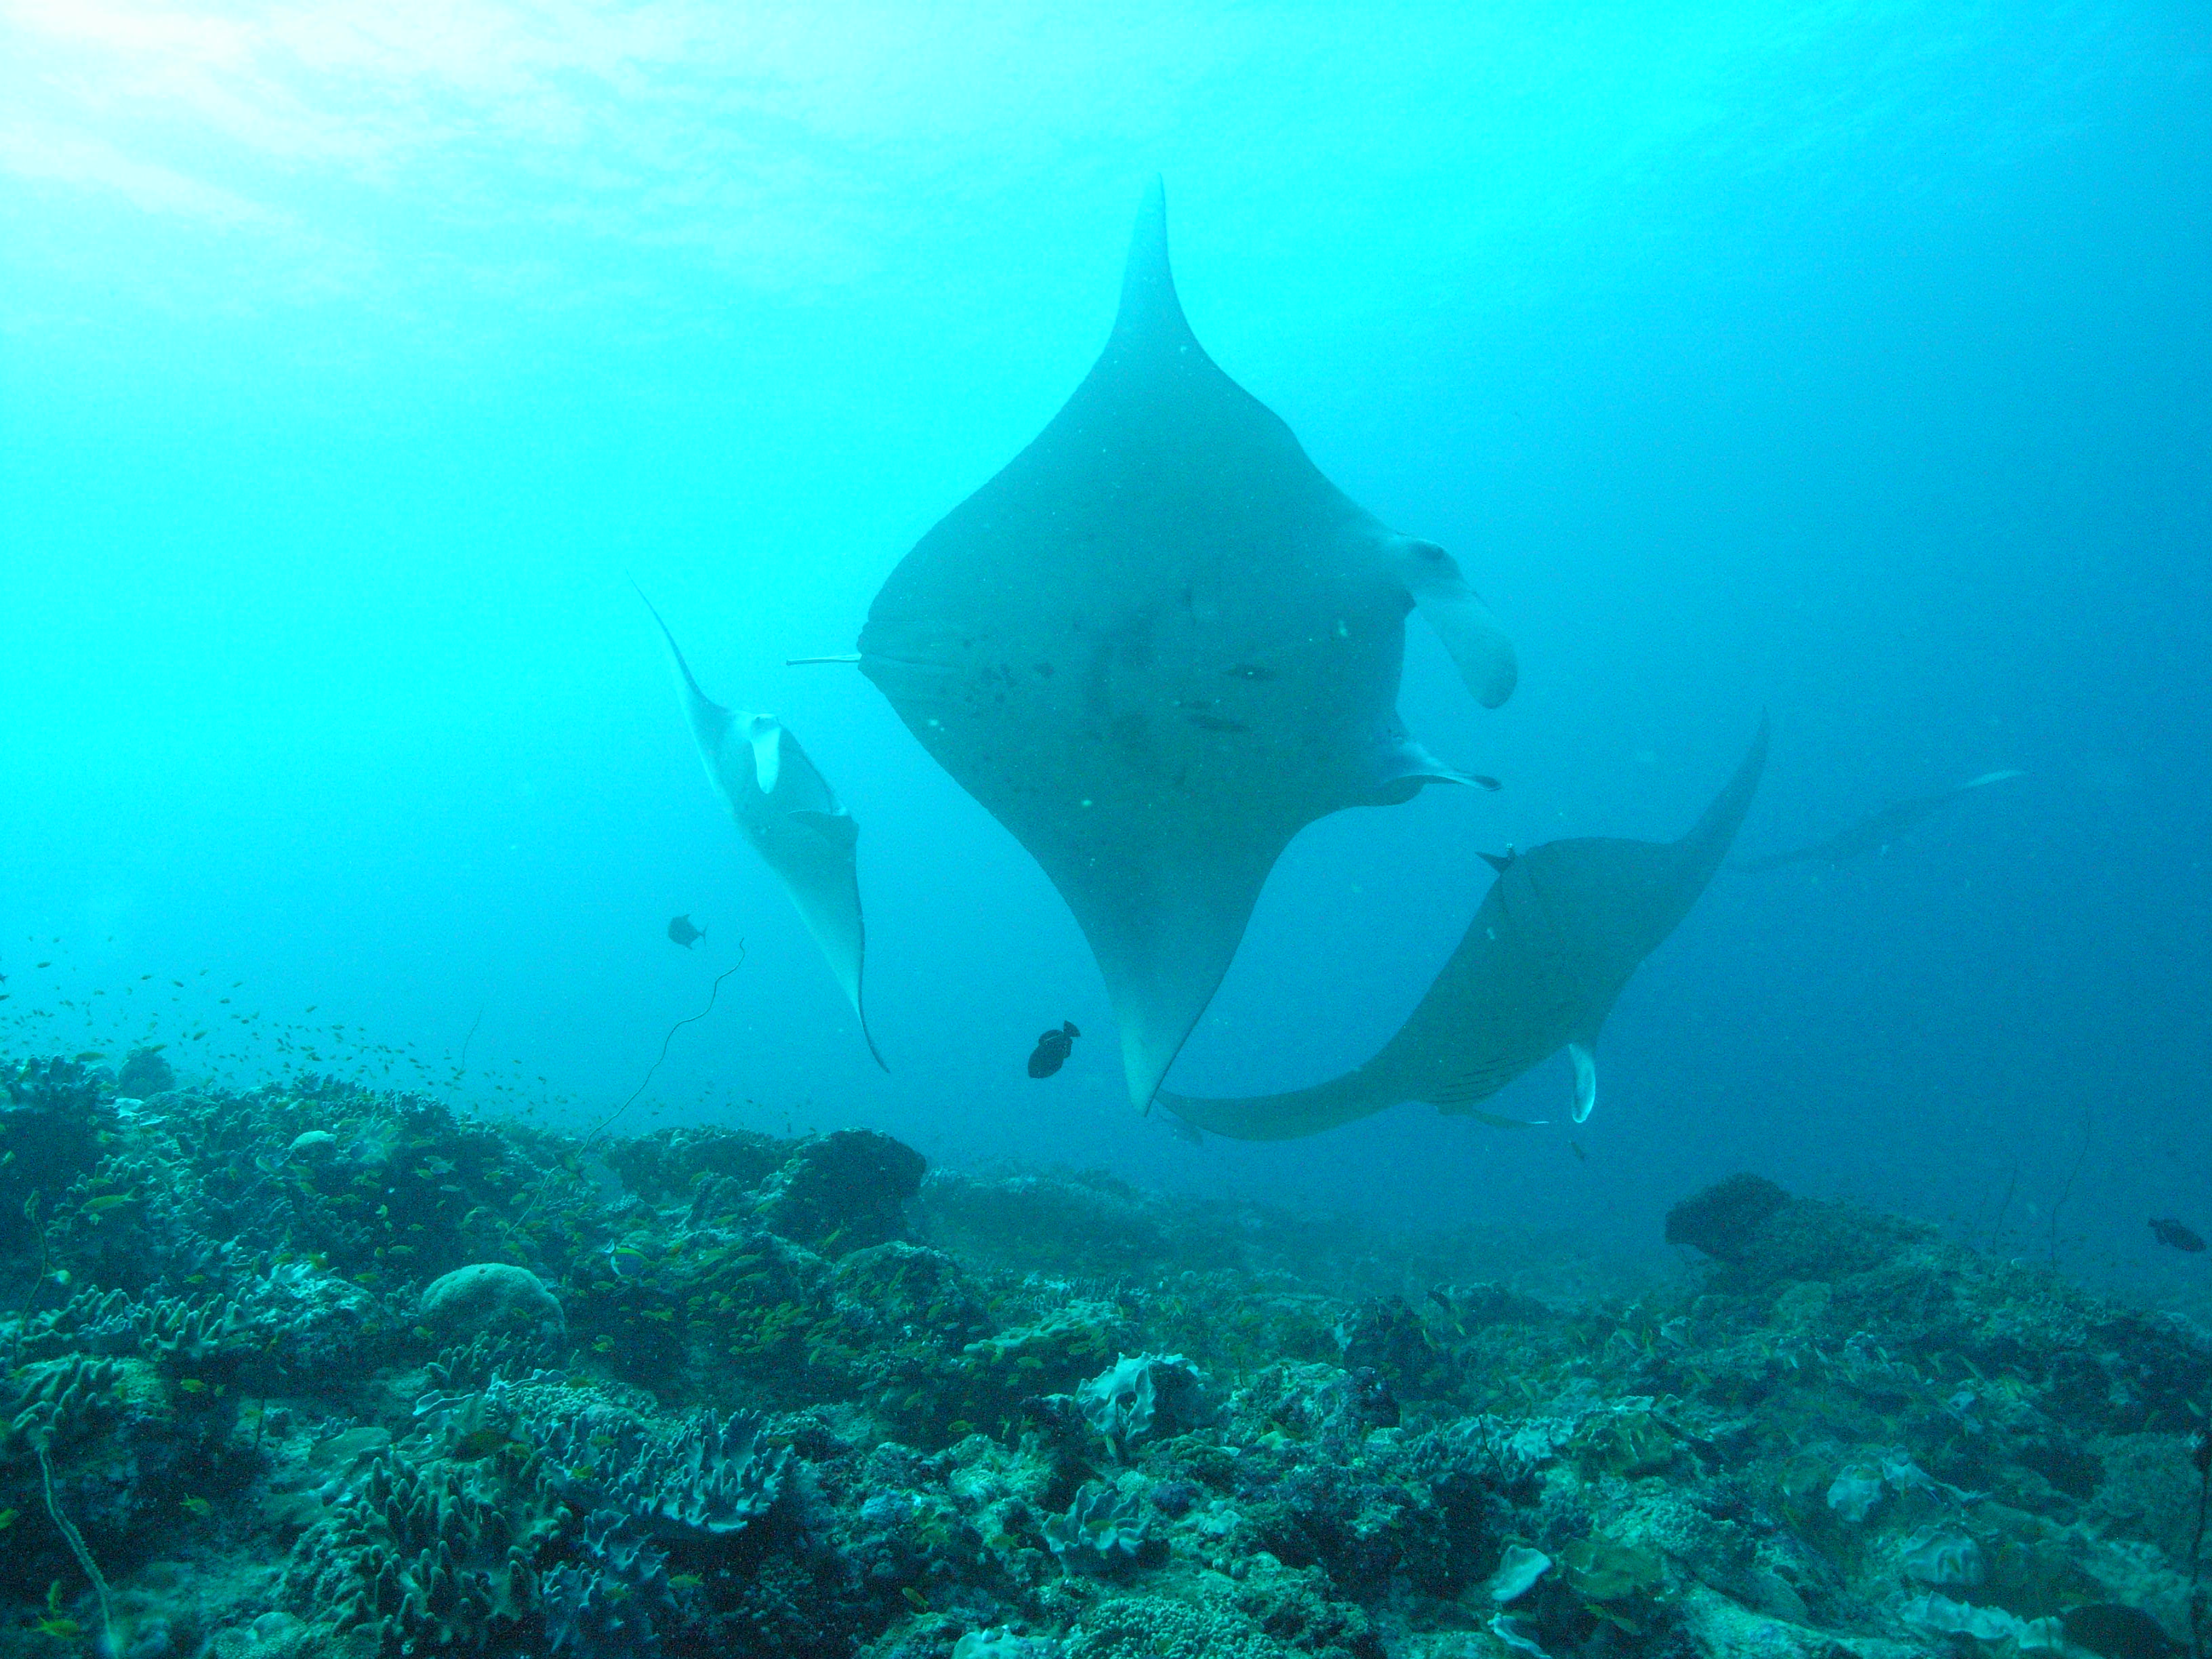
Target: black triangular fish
[{"x": 1053, "y": 1050}]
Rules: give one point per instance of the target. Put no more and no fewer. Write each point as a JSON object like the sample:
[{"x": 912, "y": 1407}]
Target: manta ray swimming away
[
  {"x": 1158, "y": 644},
  {"x": 1555, "y": 939},
  {"x": 1875, "y": 832},
  {"x": 790, "y": 814}
]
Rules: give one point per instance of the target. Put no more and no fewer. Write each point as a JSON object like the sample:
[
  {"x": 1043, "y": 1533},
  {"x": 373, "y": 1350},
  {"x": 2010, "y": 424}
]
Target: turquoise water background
[{"x": 1845, "y": 361}]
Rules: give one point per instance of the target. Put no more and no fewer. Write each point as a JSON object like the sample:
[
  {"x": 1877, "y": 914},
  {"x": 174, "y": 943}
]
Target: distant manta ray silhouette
[
  {"x": 1158, "y": 644},
  {"x": 1874, "y": 832},
  {"x": 788, "y": 811},
  {"x": 1555, "y": 942}
]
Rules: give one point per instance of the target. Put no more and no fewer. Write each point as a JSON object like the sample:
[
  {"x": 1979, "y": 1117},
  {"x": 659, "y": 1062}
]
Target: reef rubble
[{"x": 315, "y": 1369}]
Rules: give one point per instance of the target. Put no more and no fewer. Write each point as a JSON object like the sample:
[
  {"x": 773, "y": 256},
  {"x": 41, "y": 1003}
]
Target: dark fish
[
  {"x": 681, "y": 930},
  {"x": 2168, "y": 1231},
  {"x": 1053, "y": 1050}
]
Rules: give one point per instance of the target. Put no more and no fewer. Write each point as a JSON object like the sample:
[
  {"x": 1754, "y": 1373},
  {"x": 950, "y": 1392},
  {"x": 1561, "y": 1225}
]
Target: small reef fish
[
  {"x": 1053, "y": 1050},
  {"x": 682, "y": 933},
  {"x": 2170, "y": 1231}
]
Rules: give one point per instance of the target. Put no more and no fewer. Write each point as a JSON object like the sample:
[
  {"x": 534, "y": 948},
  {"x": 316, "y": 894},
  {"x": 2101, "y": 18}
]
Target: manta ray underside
[
  {"x": 1555, "y": 940},
  {"x": 1157, "y": 646}
]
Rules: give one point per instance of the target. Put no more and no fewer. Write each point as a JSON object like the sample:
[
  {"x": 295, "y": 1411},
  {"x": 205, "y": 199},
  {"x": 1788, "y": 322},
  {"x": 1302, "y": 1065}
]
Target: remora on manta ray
[
  {"x": 1555, "y": 940},
  {"x": 788, "y": 811},
  {"x": 1158, "y": 644}
]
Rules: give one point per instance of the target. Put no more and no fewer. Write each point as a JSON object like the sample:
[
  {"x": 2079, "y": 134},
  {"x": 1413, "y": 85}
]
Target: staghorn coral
[{"x": 52, "y": 1393}]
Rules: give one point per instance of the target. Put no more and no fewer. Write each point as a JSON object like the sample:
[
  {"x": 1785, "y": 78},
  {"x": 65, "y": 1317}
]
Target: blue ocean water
[{"x": 1848, "y": 362}]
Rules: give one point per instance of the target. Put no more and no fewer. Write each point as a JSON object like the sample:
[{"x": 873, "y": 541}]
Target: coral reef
[{"x": 315, "y": 1370}]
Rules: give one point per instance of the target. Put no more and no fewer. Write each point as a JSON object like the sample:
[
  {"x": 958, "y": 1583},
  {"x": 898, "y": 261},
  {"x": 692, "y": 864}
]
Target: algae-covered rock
[
  {"x": 842, "y": 1191},
  {"x": 1723, "y": 1218},
  {"x": 144, "y": 1072},
  {"x": 490, "y": 1296},
  {"x": 669, "y": 1166}
]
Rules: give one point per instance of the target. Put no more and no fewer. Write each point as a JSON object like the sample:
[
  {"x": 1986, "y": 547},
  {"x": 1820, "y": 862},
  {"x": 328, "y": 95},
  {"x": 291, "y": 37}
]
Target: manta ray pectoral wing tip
[{"x": 700, "y": 702}]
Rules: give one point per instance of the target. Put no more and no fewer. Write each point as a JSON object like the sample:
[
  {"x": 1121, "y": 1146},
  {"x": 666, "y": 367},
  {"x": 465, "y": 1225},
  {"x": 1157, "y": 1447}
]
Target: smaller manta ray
[
  {"x": 2170, "y": 1231},
  {"x": 1053, "y": 1050},
  {"x": 789, "y": 813},
  {"x": 681, "y": 932},
  {"x": 1554, "y": 944},
  {"x": 1874, "y": 832}
]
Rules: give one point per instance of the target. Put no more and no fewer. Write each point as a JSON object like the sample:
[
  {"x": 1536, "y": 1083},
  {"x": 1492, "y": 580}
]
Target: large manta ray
[
  {"x": 1157, "y": 646},
  {"x": 1553, "y": 945}
]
